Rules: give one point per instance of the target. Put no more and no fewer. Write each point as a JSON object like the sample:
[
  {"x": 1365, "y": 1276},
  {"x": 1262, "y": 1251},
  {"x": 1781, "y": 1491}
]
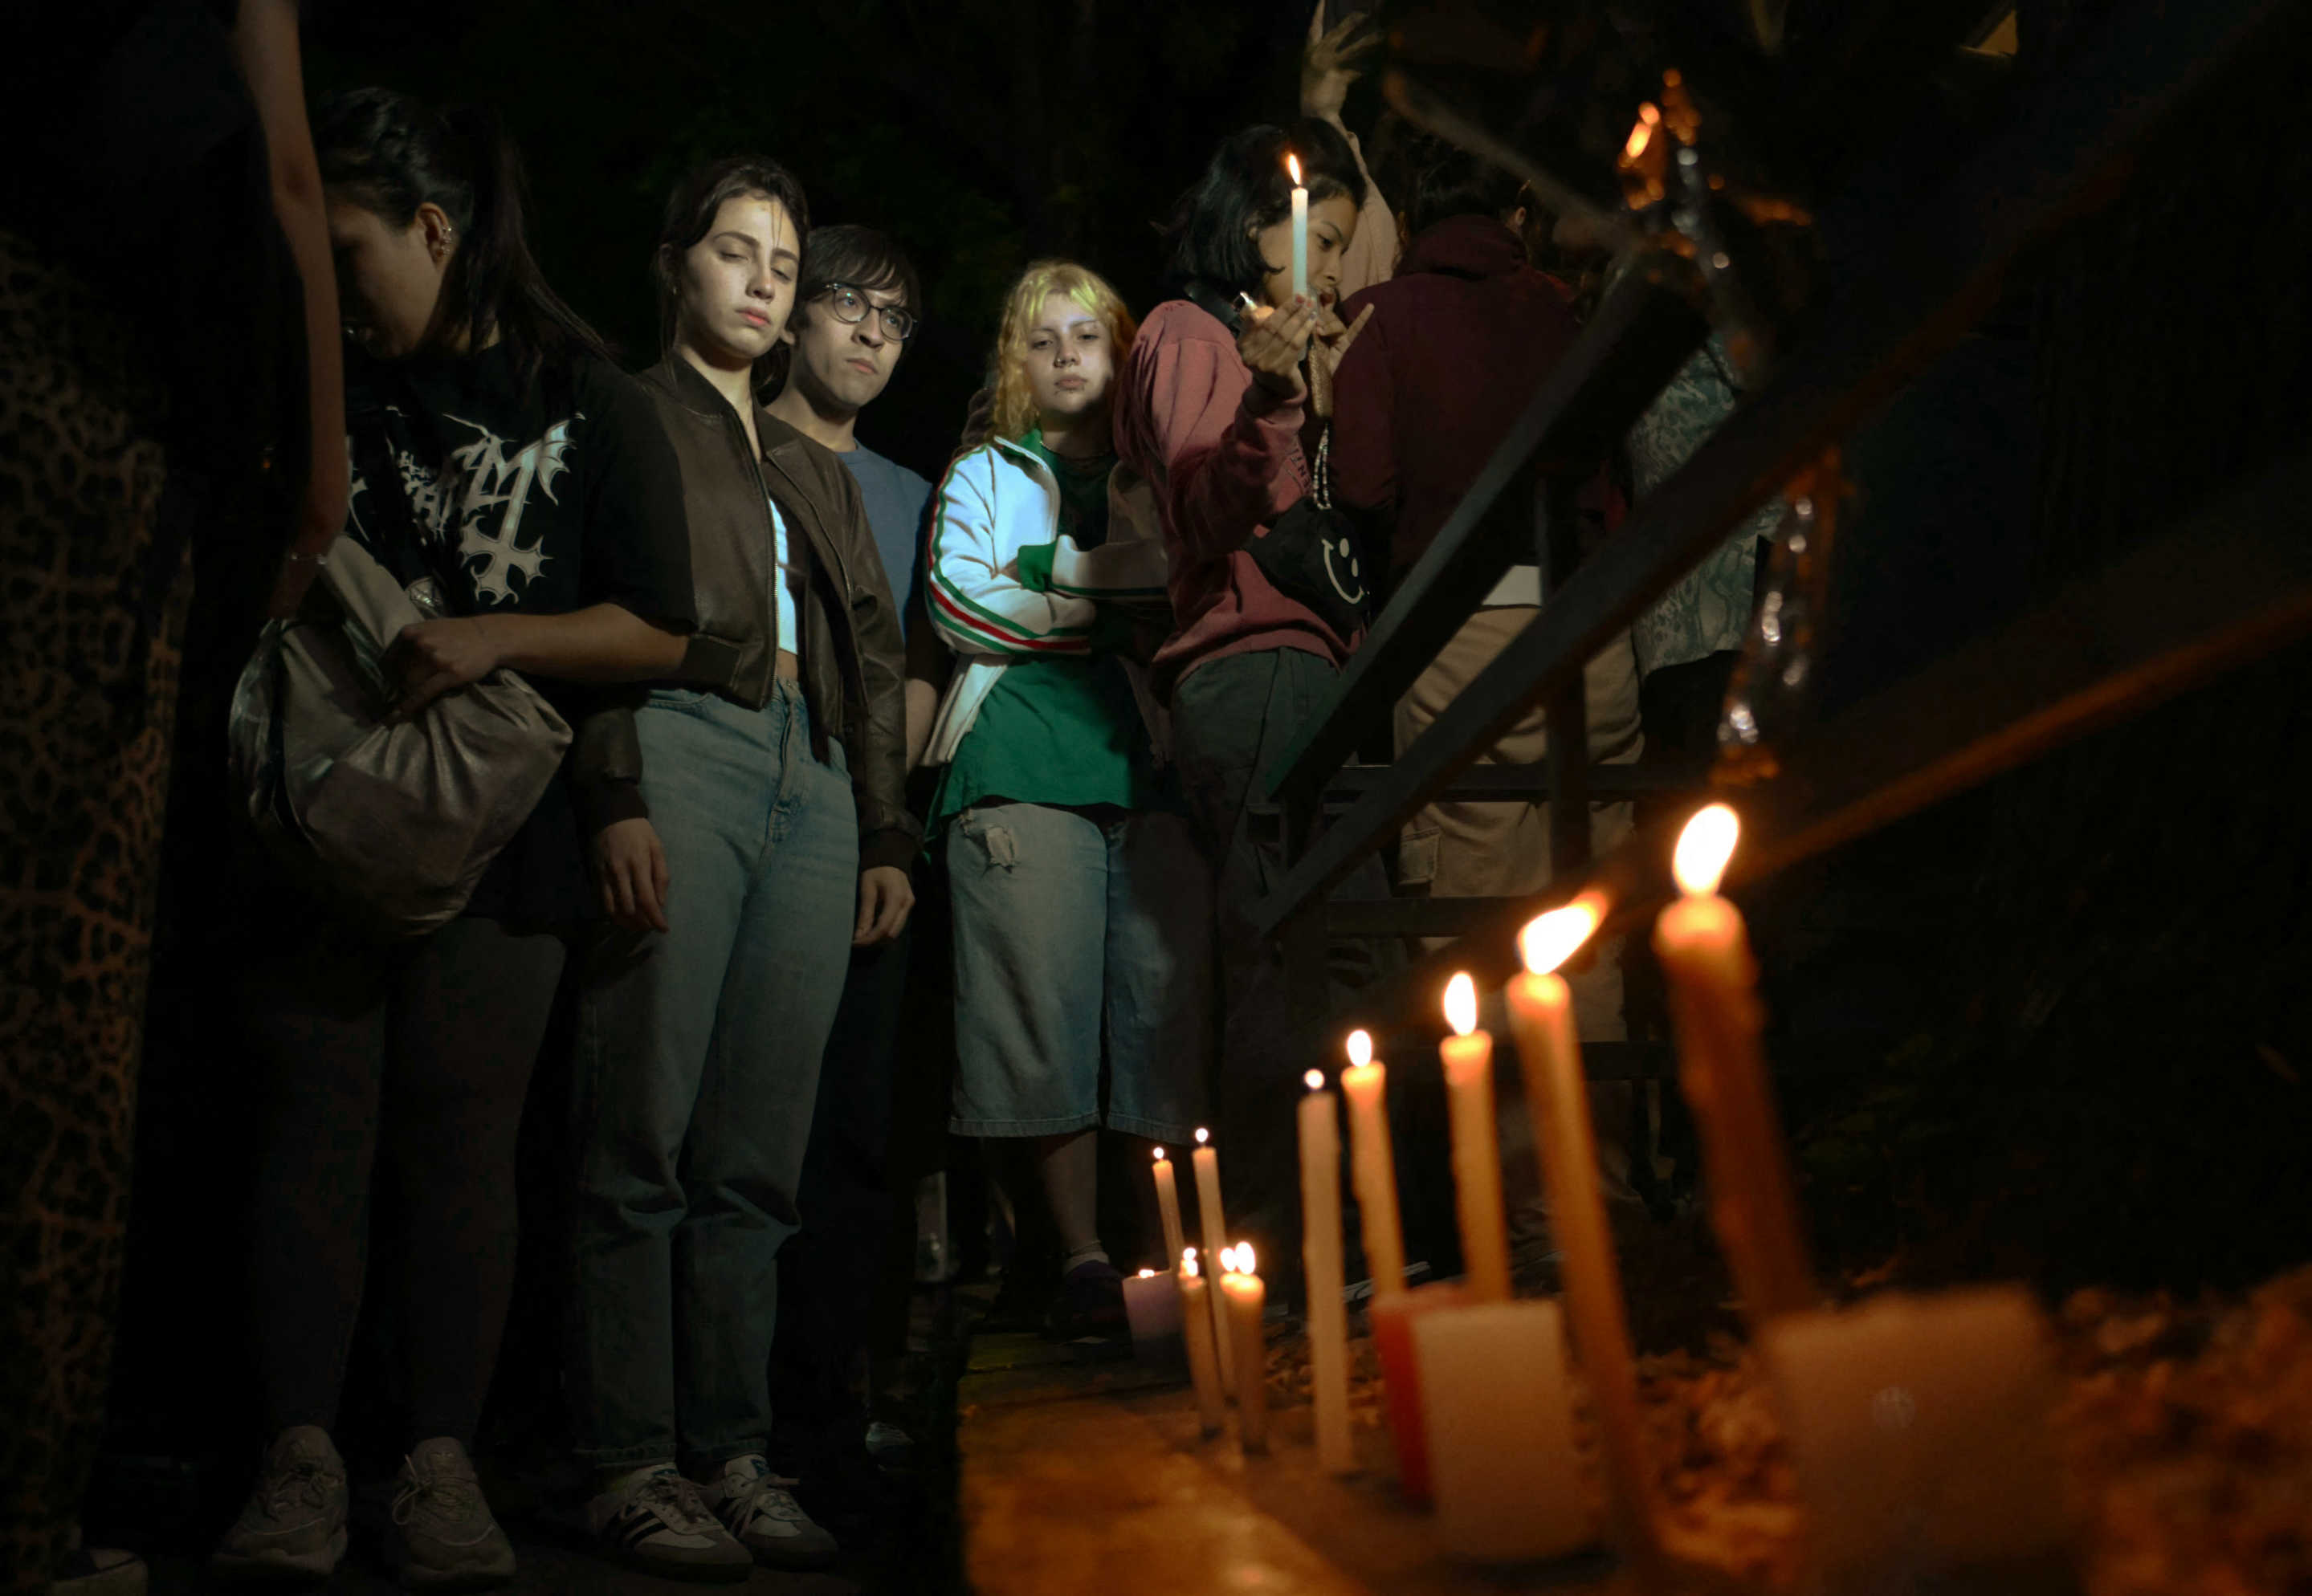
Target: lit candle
[
  {"x": 1468, "y": 1055},
  {"x": 1167, "y": 1206},
  {"x": 1152, "y": 1308},
  {"x": 1245, "y": 1295},
  {"x": 1209, "y": 1220},
  {"x": 1499, "y": 1428},
  {"x": 1300, "y": 228},
  {"x": 1373, "y": 1166},
  {"x": 1917, "y": 1430},
  {"x": 1705, "y": 953},
  {"x": 1541, "y": 1011},
  {"x": 1320, "y": 1258},
  {"x": 1196, "y": 1330}
]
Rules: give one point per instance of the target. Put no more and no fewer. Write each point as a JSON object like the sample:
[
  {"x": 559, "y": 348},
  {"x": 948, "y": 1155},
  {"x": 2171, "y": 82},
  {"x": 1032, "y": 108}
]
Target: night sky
[{"x": 982, "y": 134}]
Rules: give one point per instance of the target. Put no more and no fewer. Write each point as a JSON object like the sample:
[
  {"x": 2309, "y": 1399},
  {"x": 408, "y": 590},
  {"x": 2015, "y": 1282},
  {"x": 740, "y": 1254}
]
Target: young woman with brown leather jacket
[{"x": 750, "y": 830}]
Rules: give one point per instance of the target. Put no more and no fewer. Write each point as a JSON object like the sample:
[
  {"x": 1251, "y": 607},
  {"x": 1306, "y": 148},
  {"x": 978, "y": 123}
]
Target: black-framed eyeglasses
[{"x": 851, "y": 304}]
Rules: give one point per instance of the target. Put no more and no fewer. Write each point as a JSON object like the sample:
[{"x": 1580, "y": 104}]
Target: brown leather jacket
[{"x": 851, "y": 650}]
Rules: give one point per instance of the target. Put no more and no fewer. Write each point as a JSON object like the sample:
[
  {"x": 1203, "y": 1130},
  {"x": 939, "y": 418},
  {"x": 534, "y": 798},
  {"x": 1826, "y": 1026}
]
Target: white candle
[
  {"x": 1151, "y": 1307},
  {"x": 1245, "y": 1295},
  {"x": 1500, "y": 1429},
  {"x": 1320, "y": 1258},
  {"x": 1373, "y": 1165},
  {"x": 1300, "y": 229},
  {"x": 1468, "y": 1056},
  {"x": 1197, "y": 1325},
  {"x": 1557, "y": 1096},
  {"x": 1705, "y": 953},
  {"x": 1209, "y": 1221},
  {"x": 1918, "y": 1429},
  {"x": 1168, "y": 1207}
]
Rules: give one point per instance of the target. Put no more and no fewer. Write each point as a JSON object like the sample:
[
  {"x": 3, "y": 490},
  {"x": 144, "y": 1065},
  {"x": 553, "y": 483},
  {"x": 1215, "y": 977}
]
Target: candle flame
[
  {"x": 1462, "y": 1004},
  {"x": 1292, "y": 165},
  {"x": 1360, "y": 1048},
  {"x": 1160, "y": 1154},
  {"x": 1228, "y": 1260},
  {"x": 1244, "y": 1258},
  {"x": 1703, "y": 846},
  {"x": 1316, "y": 1079},
  {"x": 1642, "y": 131},
  {"x": 1148, "y": 1274},
  {"x": 1189, "y": 1263},
  {"x": 1556, "y": 937},
  {"x": 1203, "y": 1136}
]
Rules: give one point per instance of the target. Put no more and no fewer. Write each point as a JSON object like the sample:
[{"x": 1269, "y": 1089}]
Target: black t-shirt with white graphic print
[{"x": 541, "y": 497}]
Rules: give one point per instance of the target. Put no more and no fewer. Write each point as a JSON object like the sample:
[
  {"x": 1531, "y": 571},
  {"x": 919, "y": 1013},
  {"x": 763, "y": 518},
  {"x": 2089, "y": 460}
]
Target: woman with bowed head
[
  {"x": 750, "y": 830},
  {"x": 1211, "y": 409},
  {"x": 499, "y": 456},
  {"x": 1082, "y": 907}
]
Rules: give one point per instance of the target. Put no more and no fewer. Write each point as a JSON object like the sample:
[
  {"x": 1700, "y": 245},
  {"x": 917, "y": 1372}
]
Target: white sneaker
[
  {"x": 295, "y": 1521},
  {"x": 655, "y": 1520},
  {"x": 444, "y": 1536},
  {"x": 759, "y": 1508}
]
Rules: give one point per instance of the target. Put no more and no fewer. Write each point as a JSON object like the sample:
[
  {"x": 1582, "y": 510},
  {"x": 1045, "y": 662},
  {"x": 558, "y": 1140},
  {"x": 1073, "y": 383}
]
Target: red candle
[{"x": 1392, "y": 1328}]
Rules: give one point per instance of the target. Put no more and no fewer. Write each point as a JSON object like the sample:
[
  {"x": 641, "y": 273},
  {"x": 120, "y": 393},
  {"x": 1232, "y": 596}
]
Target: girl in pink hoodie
[{"x": 1210, "y": 410}]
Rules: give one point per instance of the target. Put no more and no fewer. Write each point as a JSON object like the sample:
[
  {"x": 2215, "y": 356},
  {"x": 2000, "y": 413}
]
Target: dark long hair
[
  {"x": 391, "y": 152},
  {"x": 691, "y": 209},
  {"x": 1245, "y": 188}
]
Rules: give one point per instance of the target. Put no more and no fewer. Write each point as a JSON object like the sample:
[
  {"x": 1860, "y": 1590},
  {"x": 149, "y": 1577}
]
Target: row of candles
[{"x": 1475, "y": 1382}]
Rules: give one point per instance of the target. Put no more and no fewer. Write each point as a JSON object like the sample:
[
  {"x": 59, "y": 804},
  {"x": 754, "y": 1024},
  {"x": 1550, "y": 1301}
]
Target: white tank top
[{"x": 784, "y": 580}]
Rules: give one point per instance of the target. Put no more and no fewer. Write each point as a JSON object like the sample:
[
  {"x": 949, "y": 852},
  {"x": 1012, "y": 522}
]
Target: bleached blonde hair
[{"x": 1015, "y": 403}]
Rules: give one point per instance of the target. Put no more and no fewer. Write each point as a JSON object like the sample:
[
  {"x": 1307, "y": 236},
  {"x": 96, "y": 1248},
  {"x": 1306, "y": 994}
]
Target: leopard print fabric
[{"x": 87, "y": 697}]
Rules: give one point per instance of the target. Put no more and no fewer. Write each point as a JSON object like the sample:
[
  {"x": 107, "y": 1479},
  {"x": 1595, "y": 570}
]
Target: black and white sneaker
[
  {"x": 655, "y": 1520},
  {"x": 759, "y": 1508}
]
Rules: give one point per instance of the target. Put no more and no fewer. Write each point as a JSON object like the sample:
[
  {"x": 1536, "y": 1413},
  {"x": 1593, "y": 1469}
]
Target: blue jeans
[
  {"x": 1070, "y": 932},
  {"x": 698, "y": 1063}
]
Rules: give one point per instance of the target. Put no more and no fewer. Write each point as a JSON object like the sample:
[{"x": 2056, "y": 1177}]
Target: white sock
[{"x": 1092, "y": 1252}]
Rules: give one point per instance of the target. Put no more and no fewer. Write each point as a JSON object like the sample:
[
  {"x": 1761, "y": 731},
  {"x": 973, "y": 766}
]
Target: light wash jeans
[
  {"x": 697, "y": 1064},
  {"x": 1069, "y": 932}
]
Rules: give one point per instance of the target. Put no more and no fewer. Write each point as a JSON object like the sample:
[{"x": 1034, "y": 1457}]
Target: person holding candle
[
  {"x": 1081, "y": 905},
  {"x": 1211, "y": 410}
]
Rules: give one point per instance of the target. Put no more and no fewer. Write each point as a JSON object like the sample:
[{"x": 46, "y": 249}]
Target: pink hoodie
[{"x": 1225, "y": 457}]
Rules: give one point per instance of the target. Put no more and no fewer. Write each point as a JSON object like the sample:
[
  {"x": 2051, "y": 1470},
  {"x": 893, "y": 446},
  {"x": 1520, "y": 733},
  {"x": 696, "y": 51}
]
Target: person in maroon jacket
[
  {"x": 1209, "y": 411},
  {"x": 1457, "y": 343}
]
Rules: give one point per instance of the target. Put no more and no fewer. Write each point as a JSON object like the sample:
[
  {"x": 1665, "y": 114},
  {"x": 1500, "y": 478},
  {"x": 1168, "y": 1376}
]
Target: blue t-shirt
[{"x": 896, "y": 497}]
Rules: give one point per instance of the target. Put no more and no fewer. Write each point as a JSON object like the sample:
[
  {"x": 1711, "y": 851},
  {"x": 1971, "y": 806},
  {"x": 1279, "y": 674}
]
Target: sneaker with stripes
[
  {"x": 759, "y": 1508},
  {"x": 653, "y": 1519}
]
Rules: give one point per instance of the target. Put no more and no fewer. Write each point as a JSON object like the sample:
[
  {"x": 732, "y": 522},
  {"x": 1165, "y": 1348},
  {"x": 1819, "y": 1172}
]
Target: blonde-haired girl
[{"x": 1082, "y": 907}]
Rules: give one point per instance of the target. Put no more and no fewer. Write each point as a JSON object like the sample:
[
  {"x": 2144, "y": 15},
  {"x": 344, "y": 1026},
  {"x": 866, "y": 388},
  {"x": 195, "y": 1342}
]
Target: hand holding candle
[
  {"x": 1468, "y": 1056},
  {"x": 1541, "y": 1010},
  {"x": 1300, "y": 228},
  {"x": 1374, "y": 1166},
  {"x": 1320, "y": 1258},
  {"x": 1705, "y": 953},
  {"x": 1245, "y": 1296}
]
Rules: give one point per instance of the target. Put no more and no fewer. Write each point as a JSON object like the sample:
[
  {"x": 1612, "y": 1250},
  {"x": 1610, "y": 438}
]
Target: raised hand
[
  {"x": 1328, "y": 66},
  {"x": 1273, "y": 345}
]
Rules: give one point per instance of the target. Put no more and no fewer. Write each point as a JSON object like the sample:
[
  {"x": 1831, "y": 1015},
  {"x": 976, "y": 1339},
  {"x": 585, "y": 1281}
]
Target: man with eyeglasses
[
  {"x": 857, "y": 299},
  {"x": 857, "y": 308}
]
